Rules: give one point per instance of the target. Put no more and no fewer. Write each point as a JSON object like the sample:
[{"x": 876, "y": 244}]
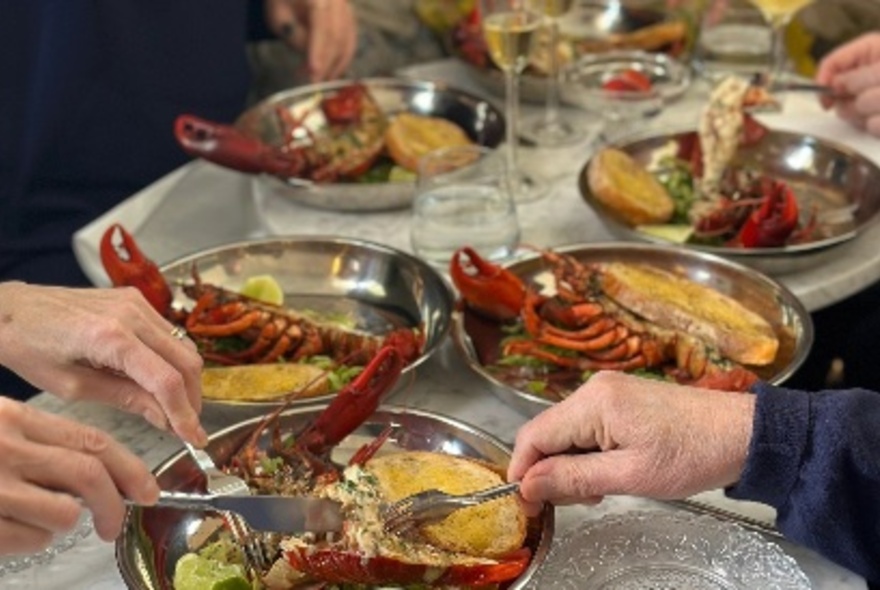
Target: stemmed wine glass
[
  {"x": 551, "y": 129},
  {"x": 509, "y": 27},
  {"x": 778, "y": 14}
]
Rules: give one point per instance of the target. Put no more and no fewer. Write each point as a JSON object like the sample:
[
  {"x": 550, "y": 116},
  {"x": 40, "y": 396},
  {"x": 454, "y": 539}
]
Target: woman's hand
[
  {"x": 325, "y": 29},
  {"x": 104, "y": 345},
  {"x": 619, "y": 434},
  {"x": 853, "y": 72},
  {"x": 47, "y": 464}
]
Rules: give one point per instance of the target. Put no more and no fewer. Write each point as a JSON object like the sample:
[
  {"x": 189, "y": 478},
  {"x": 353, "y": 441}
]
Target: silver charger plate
[
  {"x": 761, "y": 294},
  {"x": 374, "y": 287},
  {"x": 479, "y": 118},
  {"x": 842, "y": 184},
  {"x": 663, "y": 550},
  {"x": 153, "y": 539}
]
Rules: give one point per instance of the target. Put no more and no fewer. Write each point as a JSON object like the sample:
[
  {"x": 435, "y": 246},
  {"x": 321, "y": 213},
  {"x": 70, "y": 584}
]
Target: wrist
[{"x": 9, "y": 294}]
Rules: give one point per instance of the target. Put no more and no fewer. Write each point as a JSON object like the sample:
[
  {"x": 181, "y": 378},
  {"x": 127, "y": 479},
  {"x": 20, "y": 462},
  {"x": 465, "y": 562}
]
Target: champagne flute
[
  {"x": 509, "y": 28},
  {"x": 778, "y": 14},
  {"x": 551, "y": 129}
]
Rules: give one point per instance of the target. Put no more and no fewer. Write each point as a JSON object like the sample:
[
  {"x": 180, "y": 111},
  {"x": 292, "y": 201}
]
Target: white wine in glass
[
  {"x": 778, "y": 14},
  {"x": 551, "y": 129},
  {"x": 509, "y": 30}
]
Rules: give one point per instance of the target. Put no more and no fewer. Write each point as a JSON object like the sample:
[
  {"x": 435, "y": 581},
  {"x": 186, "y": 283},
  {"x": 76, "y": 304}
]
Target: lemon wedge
[
  {"x": 194, "y": 572},
  {"x": 677, "y": 234},
  {"x": 401, "y": 174},
  {"x": 265, "y": 288}
]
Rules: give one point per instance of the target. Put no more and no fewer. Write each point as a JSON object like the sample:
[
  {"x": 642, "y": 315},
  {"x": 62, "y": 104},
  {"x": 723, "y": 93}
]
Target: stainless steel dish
[
  {"x": 153, "y": 539},
  {"x": 843, "y": 186},
  {"x": 592, "y": 27},
  {"x": 374, "y": 287},
  {"x": 482, "y": 121},
  {"x": 763, "y": 295}
]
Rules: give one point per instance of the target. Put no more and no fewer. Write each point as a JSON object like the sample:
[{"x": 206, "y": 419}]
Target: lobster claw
[
  {"x": 134, "y": 269},
  {"x": 774, "y": 221},
  {"x": 227, "y": 146},
  {"x": 485, "y": 287}
]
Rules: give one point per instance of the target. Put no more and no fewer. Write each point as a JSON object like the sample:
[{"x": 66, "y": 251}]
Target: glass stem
[
  {"x": 777, "y": 52},
  {"x": 511, "y": 95},
  {"x": 551, "y": 113}
]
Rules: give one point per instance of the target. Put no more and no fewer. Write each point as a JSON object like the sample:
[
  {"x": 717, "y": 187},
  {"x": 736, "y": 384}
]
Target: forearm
[{"x": 815, "y": 457}]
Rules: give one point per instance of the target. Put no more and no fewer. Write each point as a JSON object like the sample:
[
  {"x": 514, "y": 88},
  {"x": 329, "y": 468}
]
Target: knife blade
[{"x": 282, "y": 514}]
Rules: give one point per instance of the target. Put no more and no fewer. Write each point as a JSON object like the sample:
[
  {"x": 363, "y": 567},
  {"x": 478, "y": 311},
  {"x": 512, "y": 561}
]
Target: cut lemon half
[
  {"x": 677, "y": 234},
  {"x": 265, "y": 288},
  {"x": 194, "y": 572}
]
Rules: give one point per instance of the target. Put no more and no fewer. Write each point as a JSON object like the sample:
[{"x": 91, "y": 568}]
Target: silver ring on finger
[{"x": 178, "y": 332}]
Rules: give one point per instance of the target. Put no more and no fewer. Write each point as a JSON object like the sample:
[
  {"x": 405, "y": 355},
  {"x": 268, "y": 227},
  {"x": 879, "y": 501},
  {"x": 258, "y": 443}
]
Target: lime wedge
[
  {"x": 677, "y": 234},
  {"x": 265, "y": 288},
  {"x": 194, "y": 572},
  {"x": 401, "y": 174}
]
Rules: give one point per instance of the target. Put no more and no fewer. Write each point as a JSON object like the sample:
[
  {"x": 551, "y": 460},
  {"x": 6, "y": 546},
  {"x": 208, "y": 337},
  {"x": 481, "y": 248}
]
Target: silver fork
[
  {"x": 433, "y": 505},
  {"x": 220, "y": 483}
]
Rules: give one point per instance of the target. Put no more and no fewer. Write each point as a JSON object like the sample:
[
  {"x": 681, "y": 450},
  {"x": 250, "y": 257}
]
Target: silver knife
[{"x": 282, "y": 514}]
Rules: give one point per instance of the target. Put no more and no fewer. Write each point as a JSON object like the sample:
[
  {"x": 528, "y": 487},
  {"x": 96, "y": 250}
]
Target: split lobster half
[
  {"x": 299, "y": 464},
  {"x": 583, "y": 329},
  {"x": 232, "y": 329},
  {"x": 345, "y": 146}
]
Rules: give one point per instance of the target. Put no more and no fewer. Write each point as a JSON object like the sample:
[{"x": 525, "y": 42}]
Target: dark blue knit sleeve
[{"x": 815, "y": 457}]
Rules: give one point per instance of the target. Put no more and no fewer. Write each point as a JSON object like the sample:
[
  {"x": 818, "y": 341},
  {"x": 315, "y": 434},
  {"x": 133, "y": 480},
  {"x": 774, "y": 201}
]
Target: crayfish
[
  {"x": 581, "y": 329},
  {"x": 345, "y": 146},
  {"x": 232, "y": 329}
]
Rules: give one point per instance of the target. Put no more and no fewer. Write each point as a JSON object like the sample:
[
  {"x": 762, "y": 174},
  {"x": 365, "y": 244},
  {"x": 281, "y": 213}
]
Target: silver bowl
[
  {"x": 153, "y": 539},
  {"x": 482, "y": 121},
  {"x": 843, "y": 186},
  {"x": 374, "y": 287},
  {"x": 768, "y": 298}
]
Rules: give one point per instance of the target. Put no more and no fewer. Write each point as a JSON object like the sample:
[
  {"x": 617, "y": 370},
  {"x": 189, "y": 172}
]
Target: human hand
[
  {"x": 325, "y": 29},
  {"x": 619, "y": 434},
  {"x": 853, "y": 72},
  {"x": 48, "y": 463},
  {"x": 105, "y": 345}
]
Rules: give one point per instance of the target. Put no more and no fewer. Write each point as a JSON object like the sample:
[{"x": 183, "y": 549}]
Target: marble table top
[{"x": 444, "y": 385}]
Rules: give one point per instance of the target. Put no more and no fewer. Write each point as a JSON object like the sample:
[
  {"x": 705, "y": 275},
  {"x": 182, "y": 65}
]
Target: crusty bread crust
[
  {"x": 411, "y": 136},
  {"x": 631, "y": 192},
  {"x": 263, "y": 382},
  {"x": 492, "y": 529},
  {"x": 676, "y": 303}
]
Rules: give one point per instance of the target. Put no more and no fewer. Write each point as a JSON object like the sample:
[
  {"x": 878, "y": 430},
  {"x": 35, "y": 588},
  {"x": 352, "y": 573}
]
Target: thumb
[
  {"x": 569, "y": 479},
  {"x": 855, "y": 81}
]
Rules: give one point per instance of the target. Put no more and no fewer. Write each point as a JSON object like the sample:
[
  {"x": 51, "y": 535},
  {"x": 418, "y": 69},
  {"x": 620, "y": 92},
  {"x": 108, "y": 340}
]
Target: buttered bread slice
[
  {"x": 631, "y": 192},
  {"x": 492, "y": 529},
  {"x": 676, "y": 303}
]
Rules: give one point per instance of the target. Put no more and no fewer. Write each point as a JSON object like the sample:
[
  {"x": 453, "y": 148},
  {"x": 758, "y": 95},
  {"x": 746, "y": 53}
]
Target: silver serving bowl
[
  {"x": 768, "y": 298},
  {"x": 842, "y": 185},
  {"x": 153, "y": 539},
  {"x": 482, "y": 121},
  {"x": 375, "y": 288}
]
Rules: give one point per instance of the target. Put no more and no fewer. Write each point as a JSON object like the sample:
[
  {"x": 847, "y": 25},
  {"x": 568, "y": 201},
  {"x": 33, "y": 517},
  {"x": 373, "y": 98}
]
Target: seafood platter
[
  {"x": 538, "y": 327},
  {"x": 591, "y": 27},
  {"x": 344, "y": 145},
  {"x": 335, "y": 304},
  {"x": 154, "y": 540},
  {"x": 777, "y": 201}
]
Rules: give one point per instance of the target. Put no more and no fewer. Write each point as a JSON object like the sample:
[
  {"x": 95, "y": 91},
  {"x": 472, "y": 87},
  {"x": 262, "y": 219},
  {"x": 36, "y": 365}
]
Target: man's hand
[{"x": 853, "y": 72}]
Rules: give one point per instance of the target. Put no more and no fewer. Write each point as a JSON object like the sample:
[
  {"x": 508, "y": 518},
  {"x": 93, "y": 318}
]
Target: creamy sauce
[{"x": 720, "y": 129}]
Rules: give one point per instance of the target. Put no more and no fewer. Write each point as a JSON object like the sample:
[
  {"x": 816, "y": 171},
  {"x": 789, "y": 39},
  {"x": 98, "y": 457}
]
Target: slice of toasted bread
[
  {"x": 263, "y": 382},
  {"x": 624, "y": 186},
  {"x": 411, "y": 136},
  {"x": 676, "y": 303},
  {"x": 487, "y": 530}
]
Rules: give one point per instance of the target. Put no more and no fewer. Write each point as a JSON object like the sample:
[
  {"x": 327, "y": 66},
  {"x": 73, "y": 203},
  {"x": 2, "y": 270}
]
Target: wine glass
[
  {"x": 778, "y": 14},
  {"x": 551, "y": 129},
  {"x": 509, "y": 28}
]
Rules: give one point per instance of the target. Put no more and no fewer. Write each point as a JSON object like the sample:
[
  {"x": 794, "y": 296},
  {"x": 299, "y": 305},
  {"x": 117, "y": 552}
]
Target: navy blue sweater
[
  {"x": 815, "y": 457},
  {"x": 89, "y": 90}
]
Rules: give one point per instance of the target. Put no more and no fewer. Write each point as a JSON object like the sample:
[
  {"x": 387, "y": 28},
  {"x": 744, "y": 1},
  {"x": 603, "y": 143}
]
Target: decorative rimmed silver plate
[
  {"x": 153, "y": 539},
  {"x": 842, "y": 185},
  {"x": 479, "y": 118},
  {"x": 373, "y": 288},
  {"x": 666, "y": 550},
  {"x": 757, "y": 292}
]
